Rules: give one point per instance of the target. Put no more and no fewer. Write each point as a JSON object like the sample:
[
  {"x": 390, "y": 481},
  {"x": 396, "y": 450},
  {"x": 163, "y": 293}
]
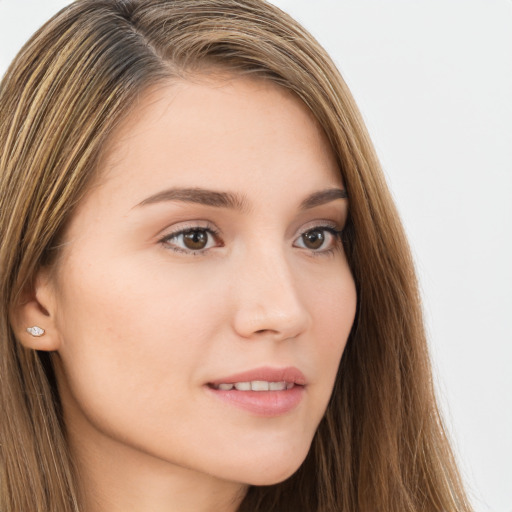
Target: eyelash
[
  {"x": 208, "y": 228},
  {"x": 212, "y": 231},
  {"x": 337, "y": 243}
]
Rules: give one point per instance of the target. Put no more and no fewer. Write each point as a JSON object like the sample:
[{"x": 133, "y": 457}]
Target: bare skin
[{"x": 158, "y": 295}]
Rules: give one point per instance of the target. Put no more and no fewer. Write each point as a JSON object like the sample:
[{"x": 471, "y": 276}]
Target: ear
[{"x": 37, "y": 308}]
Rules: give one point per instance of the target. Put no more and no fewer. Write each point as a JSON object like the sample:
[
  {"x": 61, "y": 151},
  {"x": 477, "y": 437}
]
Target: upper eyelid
[
  {"x": 183, "y": 227},
  {"x": 203, "y": 224},
  {"x": 321, "y": 223},
  {"x": 208, "y": 226},
  {"x": 326, "y": 224}
]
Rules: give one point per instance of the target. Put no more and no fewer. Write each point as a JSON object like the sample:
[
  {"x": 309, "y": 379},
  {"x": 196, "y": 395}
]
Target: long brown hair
[{"x": 381, "y": 445}]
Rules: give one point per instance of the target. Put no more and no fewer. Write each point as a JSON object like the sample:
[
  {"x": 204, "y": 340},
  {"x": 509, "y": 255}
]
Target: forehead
[{"x": 207, "y": 124}]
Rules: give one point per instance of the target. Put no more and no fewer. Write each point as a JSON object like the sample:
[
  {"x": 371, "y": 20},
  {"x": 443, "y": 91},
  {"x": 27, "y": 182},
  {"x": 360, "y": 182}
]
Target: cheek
[
  {"x": 140, "y": 335},
  {"x": 334, "y": 309},
  {"x": 132, "y": 305}
]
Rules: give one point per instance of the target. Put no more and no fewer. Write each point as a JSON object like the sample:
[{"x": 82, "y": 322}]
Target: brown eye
[
  {"x": 314, "y": 239},
  {"x": 320, "y": 239},
  {"x": 195, "y": 240},
  {"x": 192, "y": 240}
]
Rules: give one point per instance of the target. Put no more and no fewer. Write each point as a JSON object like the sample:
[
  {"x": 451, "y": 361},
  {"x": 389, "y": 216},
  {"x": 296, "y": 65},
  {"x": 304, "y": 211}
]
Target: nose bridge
[{"x": 268, "y": 299}]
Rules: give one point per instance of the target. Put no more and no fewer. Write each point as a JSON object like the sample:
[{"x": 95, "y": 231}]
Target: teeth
[
  {"x": 259, "y": 385},
  {"x": 256, "y": 385}
]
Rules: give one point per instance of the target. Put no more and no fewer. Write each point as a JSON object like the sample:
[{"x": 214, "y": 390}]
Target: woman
[{"x": 208, "y": 300}]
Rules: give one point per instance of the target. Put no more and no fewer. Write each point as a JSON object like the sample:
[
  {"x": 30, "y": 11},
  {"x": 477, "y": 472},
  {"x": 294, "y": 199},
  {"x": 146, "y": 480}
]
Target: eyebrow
[
  {"x": 235, "y": 201},
  {"x": 323, "y": 197},
  {"x": 199, "y": 196}
]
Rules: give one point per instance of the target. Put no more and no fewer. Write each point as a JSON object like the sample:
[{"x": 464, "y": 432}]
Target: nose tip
[
  {"x": 265, "y": 320},
  {"x": 268, "y": 304}
]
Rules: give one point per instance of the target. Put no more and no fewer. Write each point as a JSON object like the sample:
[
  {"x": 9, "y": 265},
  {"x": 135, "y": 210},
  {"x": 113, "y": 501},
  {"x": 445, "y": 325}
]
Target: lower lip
[{"x": 262, "y": 403}]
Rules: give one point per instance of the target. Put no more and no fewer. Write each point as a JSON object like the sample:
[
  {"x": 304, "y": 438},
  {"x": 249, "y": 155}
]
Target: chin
[
  {"x": 266, "y": 480},
  {"x": 275, "y": 477},
  {"x": 273, "y": 472}
]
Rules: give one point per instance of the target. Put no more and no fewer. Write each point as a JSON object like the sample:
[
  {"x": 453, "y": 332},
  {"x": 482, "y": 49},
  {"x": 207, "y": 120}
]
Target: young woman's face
[{"x": 203, "y": 300}]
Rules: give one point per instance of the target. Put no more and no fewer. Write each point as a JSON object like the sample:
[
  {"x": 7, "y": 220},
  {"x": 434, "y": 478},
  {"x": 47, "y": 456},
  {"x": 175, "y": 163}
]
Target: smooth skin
[{"x": 142, "y": 316}]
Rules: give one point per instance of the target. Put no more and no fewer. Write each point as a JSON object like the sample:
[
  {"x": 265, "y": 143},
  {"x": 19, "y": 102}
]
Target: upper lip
[{"x": 265, "y": 373}]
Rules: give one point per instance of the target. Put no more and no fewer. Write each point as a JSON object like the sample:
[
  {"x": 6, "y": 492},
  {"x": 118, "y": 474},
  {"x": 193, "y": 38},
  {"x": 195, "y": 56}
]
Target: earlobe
[{"x": 33, "y": 318}]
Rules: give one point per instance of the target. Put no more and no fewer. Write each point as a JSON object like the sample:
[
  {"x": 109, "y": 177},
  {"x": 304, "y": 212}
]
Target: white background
[{"x": 433, "y": 79}]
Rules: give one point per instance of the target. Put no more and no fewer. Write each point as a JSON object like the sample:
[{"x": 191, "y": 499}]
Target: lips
[
  {"x": 263, "y": 391},
  {"x": 290, "y": 375},
  {"x": 254, "y": 385}
]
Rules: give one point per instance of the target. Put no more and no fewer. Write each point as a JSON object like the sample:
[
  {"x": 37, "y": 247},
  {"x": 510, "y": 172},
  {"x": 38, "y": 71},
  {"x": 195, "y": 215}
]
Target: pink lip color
[
  {"x": 263, "y": 403},
  {"x": 289, "y": 374}
]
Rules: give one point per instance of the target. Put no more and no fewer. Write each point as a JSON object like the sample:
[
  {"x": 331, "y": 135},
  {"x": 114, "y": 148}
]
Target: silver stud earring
[{"x": 35, "y": 331}]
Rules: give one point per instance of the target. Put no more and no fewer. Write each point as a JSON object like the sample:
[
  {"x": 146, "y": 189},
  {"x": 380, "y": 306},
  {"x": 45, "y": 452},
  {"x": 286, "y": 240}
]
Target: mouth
[
  {"x": 267, "y": 392},
  {"x": 255, "y": 385}
]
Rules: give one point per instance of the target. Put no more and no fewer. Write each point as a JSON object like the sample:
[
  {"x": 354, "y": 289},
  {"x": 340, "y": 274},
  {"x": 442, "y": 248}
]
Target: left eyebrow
[
  {"x": 323, "y": 197},
  {"x": 235, "y": 201}
]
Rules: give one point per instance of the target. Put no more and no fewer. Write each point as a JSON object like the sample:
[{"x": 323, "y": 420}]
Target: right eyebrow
[{"x": 199, "y": 196}]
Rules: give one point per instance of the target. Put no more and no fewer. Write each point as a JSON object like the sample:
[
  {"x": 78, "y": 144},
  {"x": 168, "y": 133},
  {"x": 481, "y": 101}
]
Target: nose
[{"x": 268, "y": 303}]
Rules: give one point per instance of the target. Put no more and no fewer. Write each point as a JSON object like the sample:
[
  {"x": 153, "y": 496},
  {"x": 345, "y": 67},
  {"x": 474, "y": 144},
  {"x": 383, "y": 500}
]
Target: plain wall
[{"x": 433, "y": 79}]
